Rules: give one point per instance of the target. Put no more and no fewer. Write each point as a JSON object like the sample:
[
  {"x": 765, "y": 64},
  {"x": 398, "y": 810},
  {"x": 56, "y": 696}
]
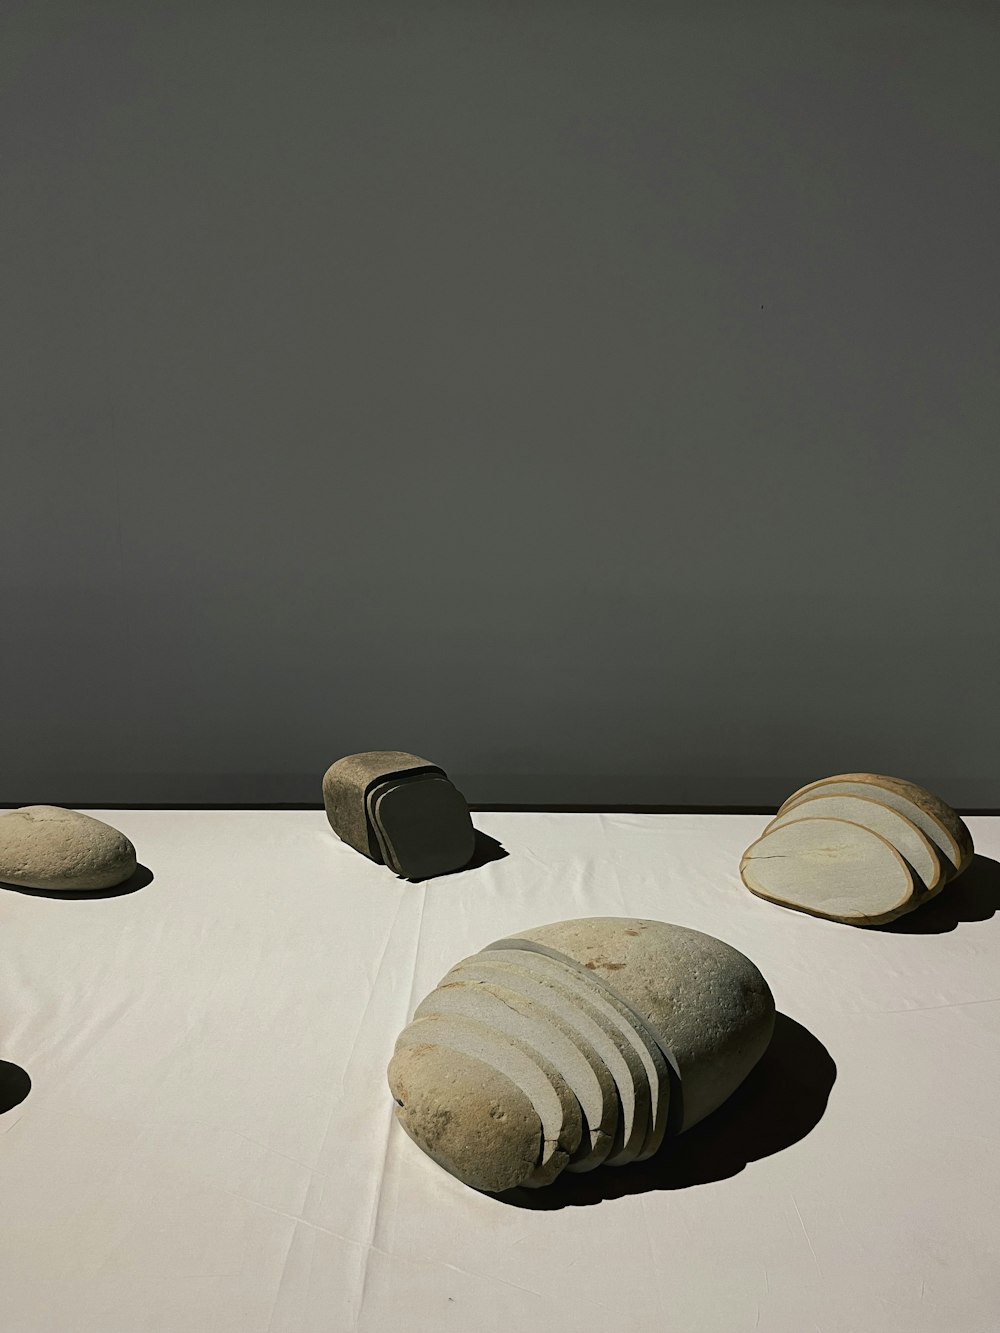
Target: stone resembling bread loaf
[
  {"x": 664, "y": 1021},
  {"x": 858, "y": 848}
]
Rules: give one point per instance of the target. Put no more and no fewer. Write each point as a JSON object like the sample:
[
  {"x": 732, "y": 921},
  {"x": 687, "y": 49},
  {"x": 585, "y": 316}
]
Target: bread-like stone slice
[
  {"x": 913, "y": 846},
  {"x": 830, "y": 868},
  {"x": 509, "y": 1013},
  {"x": 709, "y": 1008},
  {"x": 630, "y": 1025},
  {"x": 423, "y": 827},
  {"x": 465, "y": 1115},
  {"x": 590, "y": 1029},
  {"x": 557, "y": 1109},
  {"x": 46, "y": 847},
  {"x": 933, "y": 817},
  {"x": 347, "y": 782}
]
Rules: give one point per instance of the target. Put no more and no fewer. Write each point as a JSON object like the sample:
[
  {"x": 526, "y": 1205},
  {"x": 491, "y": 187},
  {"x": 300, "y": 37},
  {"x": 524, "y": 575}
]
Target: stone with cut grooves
[
  {"x": 708, "y": 1006},
  {"x": 831, "y": 868},
  {"x": 590, "y": 1027},
  {"x": 507, "y": 1012},
  {"x": 47, "y": 847},
  {"x": 682, "y": 1019},
  {"x": 935, "y": 818}
]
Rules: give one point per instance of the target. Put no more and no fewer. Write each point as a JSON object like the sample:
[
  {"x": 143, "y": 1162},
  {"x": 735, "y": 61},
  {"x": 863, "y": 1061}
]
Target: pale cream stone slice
[
  {"x": 830, "y": 868},
  {"x": 933, "y": 817},
  {"x": 557, "y": 1109},
  {"x": 912, "y": 845},
  {"x": 47, "y": 847},
  {"x": 591, "y": 1031},
  {"x": 467, "y": 1116},
  {"x": 631, "y": 1026},
  {"x": 513, "y": 1016}
]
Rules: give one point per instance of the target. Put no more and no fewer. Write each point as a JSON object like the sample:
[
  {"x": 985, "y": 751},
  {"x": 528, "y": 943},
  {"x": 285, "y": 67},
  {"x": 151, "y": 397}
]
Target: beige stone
[
  {"x": 557, "y": 1109},
  {"x": 505, "y": 1011},
  {"x": 633, "y": 1030},
  {"x": 466, "y": 1115},
  {"x": 831, "y": 868},
  {"x": 915, "y": 849},
  {"x": 46, "y": 847},
  {"x": 590, "y": 1029},
  {"x": 935, "y": 818}
]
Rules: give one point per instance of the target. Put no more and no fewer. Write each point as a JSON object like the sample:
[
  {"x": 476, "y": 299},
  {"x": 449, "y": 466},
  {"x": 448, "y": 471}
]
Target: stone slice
[
  {"x": 557, "y": 1109},
  {"x": 346, "y": 783},
  {"x": 707, "y": 1005},
  {"x": 830, "y": 868},
  {"x": 589, "y": 1028},
  {"x": 933, "y": 817},
  {"x": 632, "y": 1028},
  {"x": 46, "y": 847},
  {"x": 465, "y": 1115},
  {"x": 424, "y": 827},
  {"x": 915, "y": 849},
  {"x": 508, "y": 1013}
]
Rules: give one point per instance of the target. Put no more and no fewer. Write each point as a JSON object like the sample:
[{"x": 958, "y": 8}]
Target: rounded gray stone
[
  {"x": 706, "y": 1003},
  {"x": 46, "y": 847}
]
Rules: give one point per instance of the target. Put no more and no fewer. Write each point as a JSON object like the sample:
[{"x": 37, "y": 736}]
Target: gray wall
[{"x": 601, "y": 399}]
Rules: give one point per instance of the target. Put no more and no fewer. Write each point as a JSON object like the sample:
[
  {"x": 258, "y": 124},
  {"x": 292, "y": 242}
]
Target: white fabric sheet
[{"x": 208, "y": 1144}]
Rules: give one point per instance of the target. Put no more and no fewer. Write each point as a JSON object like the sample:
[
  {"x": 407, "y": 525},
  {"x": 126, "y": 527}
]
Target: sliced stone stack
[
  {"x": 575, "y": 1045},
  {"x": 401, "y": 811},
  {"x": 859, "y": 848}
]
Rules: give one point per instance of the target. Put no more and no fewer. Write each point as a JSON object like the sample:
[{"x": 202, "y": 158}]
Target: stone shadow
[
  {"x": 973, "y": 896},
  {"x": 15, "y": 1084},
  {"x": 781, "y": 1101},
  {"x": 139, "y": 878}
]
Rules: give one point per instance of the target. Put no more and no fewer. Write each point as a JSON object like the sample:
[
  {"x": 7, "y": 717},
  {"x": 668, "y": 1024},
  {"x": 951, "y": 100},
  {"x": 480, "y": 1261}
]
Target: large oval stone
[
  {"x": 46, "y": 847},
  {"x": 706, "y": 1003}
]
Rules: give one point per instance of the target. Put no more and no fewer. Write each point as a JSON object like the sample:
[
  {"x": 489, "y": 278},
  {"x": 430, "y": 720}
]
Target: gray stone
[
  {"x": 540, "y": 1029},
  {"x": 401, "y": 811},
  {"x": 708, "y": 1006},
  {"x": 46, "y": 847}
]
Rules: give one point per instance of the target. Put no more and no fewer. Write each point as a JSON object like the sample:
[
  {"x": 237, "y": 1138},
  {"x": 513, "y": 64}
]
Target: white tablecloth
[{"x": 208, "y": 1144}]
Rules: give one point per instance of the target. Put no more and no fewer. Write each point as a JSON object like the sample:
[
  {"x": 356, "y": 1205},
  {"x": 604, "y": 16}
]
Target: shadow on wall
[
  {"x": 780, "y": 1102},
  {"x": 974, "y": 896},
  {"x": 140, "y": 877},
  {"x": 15, "y": 1085}
]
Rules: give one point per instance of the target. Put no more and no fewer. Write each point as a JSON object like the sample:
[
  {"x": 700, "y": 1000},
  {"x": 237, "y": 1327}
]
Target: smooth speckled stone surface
[
  {"x": 46, "y": 847},
  {"x": 465, "y": 1115},
  {"x": 706, "y": 1003}
]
